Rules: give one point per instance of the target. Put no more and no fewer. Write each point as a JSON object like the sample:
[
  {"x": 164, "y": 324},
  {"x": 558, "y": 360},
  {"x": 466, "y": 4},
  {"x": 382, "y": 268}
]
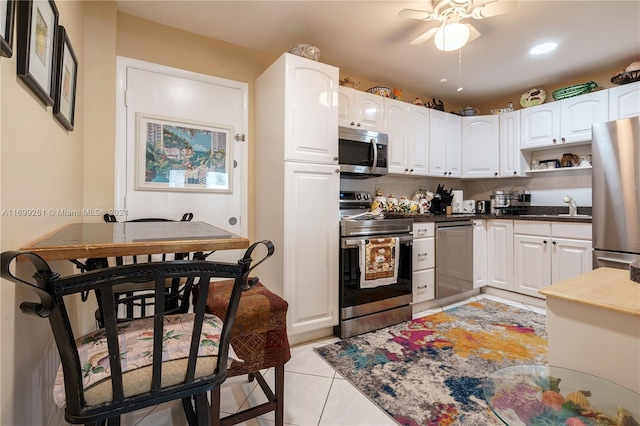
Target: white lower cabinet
[
  {"x": 500, "y": 253},
  {"x": 480, "y": 278},
  {"x": 571, "y": 250},
  {"x": 532, "y": 262},
  {"x": 548, "y": 252},
  {"x": 311, "y": 245},
  {"x": 424, "y": 256}
]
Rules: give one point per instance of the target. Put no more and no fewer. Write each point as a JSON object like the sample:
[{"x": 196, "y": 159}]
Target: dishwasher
[{"x": 454, "y": 257}]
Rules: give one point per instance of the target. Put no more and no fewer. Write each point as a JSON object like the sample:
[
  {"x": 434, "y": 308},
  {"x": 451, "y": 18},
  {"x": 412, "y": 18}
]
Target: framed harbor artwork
[{"x": 181, "y": 155}]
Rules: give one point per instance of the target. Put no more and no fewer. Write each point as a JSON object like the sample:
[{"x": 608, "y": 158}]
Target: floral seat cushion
[{"x": 136, "y": 347}]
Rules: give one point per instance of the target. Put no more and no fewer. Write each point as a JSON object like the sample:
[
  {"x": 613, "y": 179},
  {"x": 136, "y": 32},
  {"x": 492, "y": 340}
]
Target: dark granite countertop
[{"x": 543, "y": 213}]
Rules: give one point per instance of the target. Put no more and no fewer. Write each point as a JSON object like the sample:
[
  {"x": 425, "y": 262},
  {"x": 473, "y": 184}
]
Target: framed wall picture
[
  {"x": 37, "y": 25},
  {"x": 7, "y": 14},
  {"x": 182, "y": 155},
  {"x": 66, "y": 76}
]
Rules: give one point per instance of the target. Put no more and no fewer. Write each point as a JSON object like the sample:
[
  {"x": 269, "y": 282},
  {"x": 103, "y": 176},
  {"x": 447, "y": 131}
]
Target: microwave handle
[{"x": 375, "y": 155}]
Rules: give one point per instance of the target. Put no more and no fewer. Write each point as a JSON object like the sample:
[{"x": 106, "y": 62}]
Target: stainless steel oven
[{"x": 366, "y": 309}]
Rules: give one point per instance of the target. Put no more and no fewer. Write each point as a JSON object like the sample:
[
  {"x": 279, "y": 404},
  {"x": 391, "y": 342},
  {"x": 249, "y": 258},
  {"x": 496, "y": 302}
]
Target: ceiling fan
[{"x": 450, "y": 33}]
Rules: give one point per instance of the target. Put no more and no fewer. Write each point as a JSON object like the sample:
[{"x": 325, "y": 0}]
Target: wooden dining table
[{"x": 103, "y": 240}]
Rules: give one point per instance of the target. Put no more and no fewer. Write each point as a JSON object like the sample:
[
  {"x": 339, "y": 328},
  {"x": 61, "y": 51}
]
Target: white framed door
[{"x": 183, "y": 96}]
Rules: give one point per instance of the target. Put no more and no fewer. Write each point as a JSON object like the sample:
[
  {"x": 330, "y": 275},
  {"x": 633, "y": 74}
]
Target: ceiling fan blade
[
  {"x": 498, "y": 7},
  {"x": 473, "y": 33},
  {"x": 415, "y": 14},
  {"x": 424, "y": 36}
]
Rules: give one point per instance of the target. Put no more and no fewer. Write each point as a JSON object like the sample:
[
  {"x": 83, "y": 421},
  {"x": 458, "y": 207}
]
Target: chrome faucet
[{"x": 573, "y": 207}]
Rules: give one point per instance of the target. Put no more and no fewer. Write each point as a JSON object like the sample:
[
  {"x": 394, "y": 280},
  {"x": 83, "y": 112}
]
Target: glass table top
[
  {"x": 130, "y": 232},
  {"x": 541, "y": 395},
  {"x": 99, "y": 240}
]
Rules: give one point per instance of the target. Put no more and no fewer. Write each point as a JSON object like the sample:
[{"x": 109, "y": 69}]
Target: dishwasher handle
[{"x": 453, "y": 225}]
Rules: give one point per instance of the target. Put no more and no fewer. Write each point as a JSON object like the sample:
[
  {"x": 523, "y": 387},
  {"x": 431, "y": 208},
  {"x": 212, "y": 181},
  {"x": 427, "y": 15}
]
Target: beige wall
[{"x": 41, "y": 169}]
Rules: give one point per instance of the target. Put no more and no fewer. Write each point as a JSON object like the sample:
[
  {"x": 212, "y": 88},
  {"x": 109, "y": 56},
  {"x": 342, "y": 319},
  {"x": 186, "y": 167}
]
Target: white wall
[{"x": 547, "y": 189}]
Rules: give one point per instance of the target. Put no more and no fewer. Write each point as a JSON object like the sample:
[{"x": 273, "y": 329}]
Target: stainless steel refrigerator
[{"x": 616, "y": 193}]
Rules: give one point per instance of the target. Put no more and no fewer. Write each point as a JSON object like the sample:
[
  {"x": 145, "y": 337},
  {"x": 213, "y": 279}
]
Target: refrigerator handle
[{"x": 609, "y": 259}]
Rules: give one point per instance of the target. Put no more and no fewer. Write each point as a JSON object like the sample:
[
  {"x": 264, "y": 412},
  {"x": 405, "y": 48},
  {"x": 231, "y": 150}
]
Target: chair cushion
[
  {"x": 136, "y": 346},
  {"x": 260, "y": 329}
]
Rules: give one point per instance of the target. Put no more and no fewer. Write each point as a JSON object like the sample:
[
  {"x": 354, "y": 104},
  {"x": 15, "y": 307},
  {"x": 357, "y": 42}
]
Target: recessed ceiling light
[{"x": 543, "y": 48}]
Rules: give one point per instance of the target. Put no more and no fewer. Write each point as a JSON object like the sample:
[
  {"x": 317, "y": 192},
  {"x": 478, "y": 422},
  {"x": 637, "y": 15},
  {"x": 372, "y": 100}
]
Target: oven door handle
[{"x": 356, "y": 241}]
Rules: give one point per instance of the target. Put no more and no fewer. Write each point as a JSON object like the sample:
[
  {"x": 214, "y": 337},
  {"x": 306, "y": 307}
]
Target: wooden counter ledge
[{"x": 606, "y": 288}]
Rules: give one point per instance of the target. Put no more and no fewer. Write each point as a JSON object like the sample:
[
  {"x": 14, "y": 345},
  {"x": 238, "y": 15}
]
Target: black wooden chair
[
  {"x": 144, "y": 362},
  {"x": 136, "y": 299}
]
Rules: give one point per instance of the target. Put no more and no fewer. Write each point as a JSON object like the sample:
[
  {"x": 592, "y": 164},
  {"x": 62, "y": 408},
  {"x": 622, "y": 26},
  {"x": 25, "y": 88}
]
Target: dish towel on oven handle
[{"x": 378, "y": 262}]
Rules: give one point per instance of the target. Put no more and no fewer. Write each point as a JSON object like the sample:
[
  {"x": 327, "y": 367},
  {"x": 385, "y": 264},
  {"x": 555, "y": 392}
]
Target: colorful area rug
[{"x": 430, "y": 371}]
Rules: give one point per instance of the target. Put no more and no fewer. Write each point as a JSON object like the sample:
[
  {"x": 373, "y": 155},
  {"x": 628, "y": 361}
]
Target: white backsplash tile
[{"x": 547, "y": 189}]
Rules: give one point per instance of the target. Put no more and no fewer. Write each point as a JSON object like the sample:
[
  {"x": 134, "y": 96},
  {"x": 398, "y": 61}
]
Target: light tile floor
[{"x": 314, "y": 393}]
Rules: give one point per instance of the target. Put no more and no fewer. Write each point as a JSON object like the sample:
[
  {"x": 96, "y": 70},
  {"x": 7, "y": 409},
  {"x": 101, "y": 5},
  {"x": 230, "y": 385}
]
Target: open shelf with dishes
[
  {"x": 565, "y": 158},
  {"x": 559, "y": 169}
]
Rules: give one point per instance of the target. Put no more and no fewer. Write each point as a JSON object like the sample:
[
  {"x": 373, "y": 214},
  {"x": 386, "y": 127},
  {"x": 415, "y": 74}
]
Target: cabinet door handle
[
  {"x": 335, "y": 158},
  {"x": 563, "y": 140},
  {"x": 353, "y": 123},
  {"x": 515, "y": 173},
  {"x": 410, "y": 170},
  {"x": 422, "y": 287},
  {"x": 422, "y": 254},
  {"x": 553, "y": 242},
  {"x": 358, "y": 124},
  {"x": 544, "y": 241},
  {"x": 406, "y": 170},
  {"x": 338, "y": 171},
  {"x": 495, "y": 174},
  {"x": 555, "y": 141}
]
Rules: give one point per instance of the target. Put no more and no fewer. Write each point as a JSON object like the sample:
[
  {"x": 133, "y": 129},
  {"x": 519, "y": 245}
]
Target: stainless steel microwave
[{"x": 362, "y": 153}]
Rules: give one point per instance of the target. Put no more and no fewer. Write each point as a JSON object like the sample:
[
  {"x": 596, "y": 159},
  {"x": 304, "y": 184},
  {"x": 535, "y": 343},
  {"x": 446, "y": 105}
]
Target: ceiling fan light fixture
[
  {"x": 543, "y": 48},
  {"x": 452, "y": 36}
]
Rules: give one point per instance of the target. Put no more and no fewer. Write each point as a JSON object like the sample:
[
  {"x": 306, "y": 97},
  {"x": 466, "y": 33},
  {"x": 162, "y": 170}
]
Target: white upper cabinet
[
  {"x": 539, "y": 125},
  {"x": 396, "y": 127},
  {"x": 563, "y": 122},
  {"x": 418, "y": 140},
  {"x": 454, "y": 145},
  {"x": 578, "y": 114},
  {"x": 445, "y": 144},
  {"x": 360, "y": 109},
  {"x": 437, "y": 143},
  {"x": 408, "y": 129},
  {"x": 624, "y": 101},
  {"x": 310, "y": 108},
  {"x": 512, "y": 162},
  {"x": 480, "y": 146}
]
